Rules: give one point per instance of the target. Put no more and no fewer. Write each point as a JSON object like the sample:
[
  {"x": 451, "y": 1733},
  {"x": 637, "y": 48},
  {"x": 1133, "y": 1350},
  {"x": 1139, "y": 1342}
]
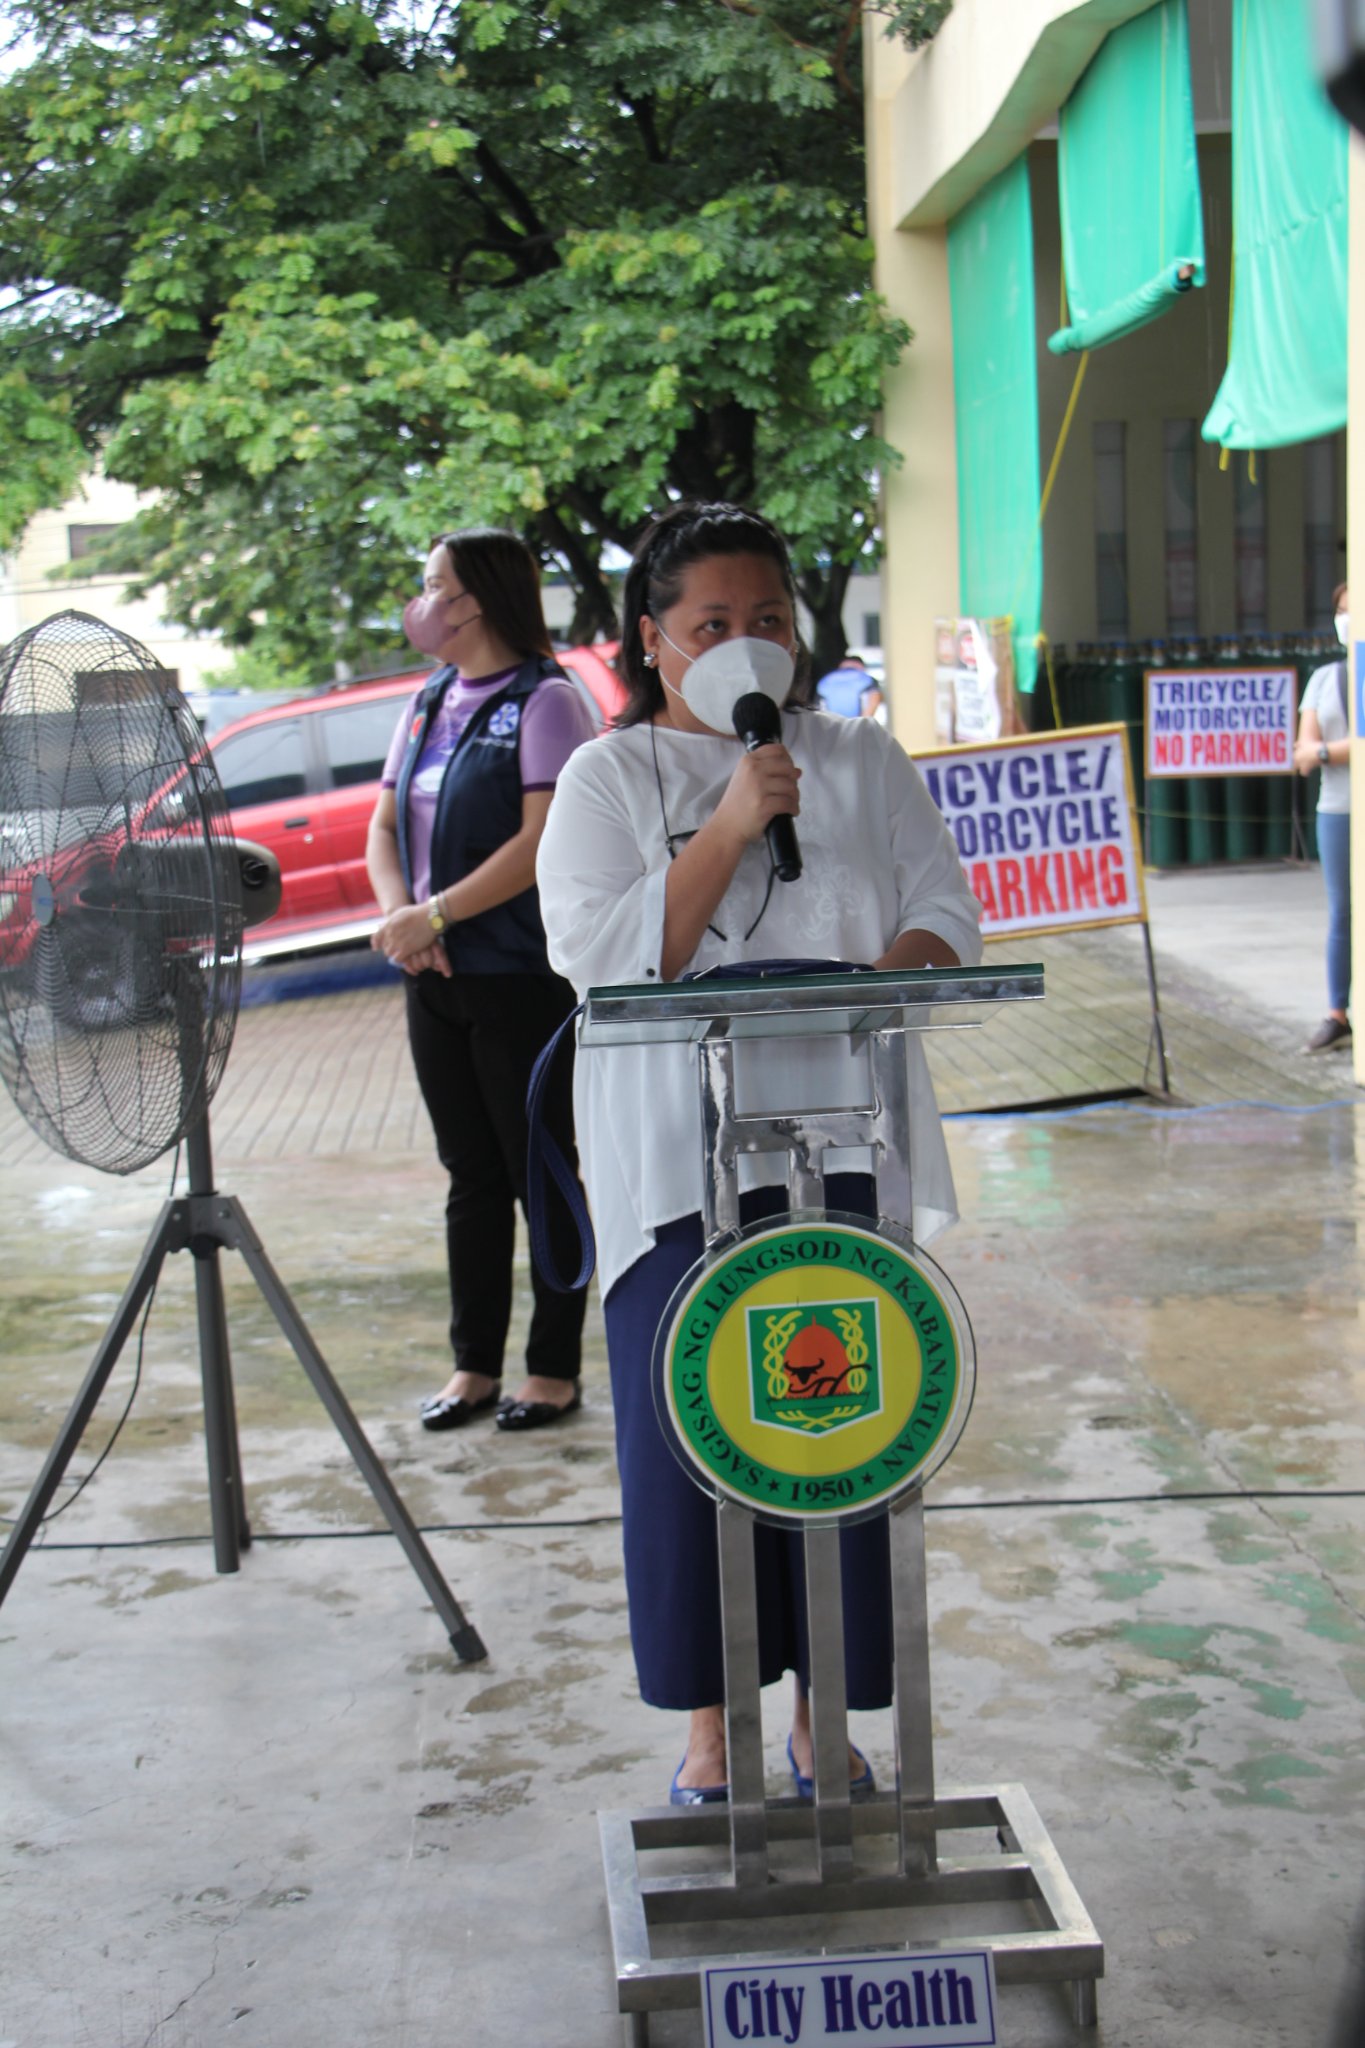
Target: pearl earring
[{"x": 651, "y": 661}]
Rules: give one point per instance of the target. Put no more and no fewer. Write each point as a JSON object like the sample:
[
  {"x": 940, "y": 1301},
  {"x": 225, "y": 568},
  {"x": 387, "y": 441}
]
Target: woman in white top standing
[
  {"x": 1324, "y": 742},
  {"x": 654, "y": 865}
]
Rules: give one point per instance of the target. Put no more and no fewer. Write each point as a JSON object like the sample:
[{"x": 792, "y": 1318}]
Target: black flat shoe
[
  {"x": 535, "y": 1414},
  {"x": 454, "y": 1411}
]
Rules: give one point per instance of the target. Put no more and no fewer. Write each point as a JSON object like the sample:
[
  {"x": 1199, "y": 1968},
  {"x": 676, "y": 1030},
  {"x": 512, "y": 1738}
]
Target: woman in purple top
[{"x": 451, "y": 856}]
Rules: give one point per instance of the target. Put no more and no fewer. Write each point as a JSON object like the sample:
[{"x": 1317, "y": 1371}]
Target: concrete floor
[
  {"x": 271, "y": 1809},
  {"x": 1261, "y": 931}
]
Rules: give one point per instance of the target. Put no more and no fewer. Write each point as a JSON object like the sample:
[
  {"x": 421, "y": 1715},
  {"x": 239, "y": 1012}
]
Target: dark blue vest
[{"x": 478, "y": 809}]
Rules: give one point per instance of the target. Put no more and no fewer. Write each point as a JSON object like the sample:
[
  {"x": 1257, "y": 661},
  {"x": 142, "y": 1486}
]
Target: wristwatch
[
  {"x": 436, "y": 917},
  {"x": 1324, "y": 752}
]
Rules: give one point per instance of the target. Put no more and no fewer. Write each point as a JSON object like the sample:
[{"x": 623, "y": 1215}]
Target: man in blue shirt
[{"x": 849, "y": 691}]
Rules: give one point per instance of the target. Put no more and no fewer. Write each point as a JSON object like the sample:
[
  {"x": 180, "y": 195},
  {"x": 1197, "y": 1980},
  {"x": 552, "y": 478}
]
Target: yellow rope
[
  {"x": 1046, "y": 645},
  {"x": 1047, "y": 493},
  {"x": 1062, "y": 436}
]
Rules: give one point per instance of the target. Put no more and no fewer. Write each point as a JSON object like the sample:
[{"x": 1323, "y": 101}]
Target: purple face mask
[{"x": 428, "y": 624}]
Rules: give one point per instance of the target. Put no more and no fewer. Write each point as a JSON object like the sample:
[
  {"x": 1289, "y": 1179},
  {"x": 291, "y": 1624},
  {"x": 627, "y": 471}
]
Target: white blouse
[{"x": 878, "y": 860}]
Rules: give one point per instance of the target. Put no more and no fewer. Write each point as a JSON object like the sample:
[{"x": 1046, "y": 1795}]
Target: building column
[{"x": 919, "y": 499}]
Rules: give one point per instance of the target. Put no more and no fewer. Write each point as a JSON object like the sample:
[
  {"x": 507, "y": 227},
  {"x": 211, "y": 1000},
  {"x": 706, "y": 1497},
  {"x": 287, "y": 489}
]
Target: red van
[{"x": 302, "y": 778}]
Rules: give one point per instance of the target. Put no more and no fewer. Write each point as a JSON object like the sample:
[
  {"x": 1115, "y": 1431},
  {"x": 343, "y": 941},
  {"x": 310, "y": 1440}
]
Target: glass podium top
[{"x": 836, "y": 1004}]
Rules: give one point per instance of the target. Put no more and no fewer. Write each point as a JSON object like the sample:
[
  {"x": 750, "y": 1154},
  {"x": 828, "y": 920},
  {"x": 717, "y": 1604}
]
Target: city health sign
[
  {"x": 1220, "y": 721},
  {"x": 1045, "y": 828},
  {"x": 939, "y": 1998}
]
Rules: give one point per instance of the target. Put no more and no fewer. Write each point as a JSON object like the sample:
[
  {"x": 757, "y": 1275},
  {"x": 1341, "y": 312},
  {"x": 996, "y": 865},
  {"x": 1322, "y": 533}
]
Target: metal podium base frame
[
  {"x": 755, "y": 1863},
  {"x": 1022, "y": 1867},
  {"x": 828, "y": 1860}
]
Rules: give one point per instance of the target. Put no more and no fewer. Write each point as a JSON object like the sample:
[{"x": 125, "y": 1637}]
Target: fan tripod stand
[{"x": 204, "y": 1222}]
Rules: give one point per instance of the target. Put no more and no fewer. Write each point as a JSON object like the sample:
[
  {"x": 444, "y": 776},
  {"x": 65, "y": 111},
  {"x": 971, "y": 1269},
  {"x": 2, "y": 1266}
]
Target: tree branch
[
  {"x": 531, "y": 222},
  {"x": 642, "y": 113},
  {"x": 595, "y": 610}
]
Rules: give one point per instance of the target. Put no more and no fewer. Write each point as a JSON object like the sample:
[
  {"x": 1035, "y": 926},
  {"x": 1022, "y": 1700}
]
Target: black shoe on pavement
[
  {"x": 1330, "y": 1034},
  {"x": 516, "y": 1415},
  {"x": 453, "y": 1411}
]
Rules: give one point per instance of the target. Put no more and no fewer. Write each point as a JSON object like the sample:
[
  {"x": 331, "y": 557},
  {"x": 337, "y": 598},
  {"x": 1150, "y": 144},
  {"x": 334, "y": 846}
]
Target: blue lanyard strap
[{"x": 544, "y": 1158}]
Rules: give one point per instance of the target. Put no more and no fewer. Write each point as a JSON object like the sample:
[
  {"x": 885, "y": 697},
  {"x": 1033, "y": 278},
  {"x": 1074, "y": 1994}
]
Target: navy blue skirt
[{"x": 669, "y": 1523}]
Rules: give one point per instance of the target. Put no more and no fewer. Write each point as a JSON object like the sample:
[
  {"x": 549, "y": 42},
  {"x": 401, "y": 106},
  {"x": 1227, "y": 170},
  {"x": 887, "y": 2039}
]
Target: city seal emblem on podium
[{"x": 815, "y": 1369}]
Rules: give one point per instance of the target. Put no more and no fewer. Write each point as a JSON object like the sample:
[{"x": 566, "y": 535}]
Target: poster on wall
[
  {"x": 973, "y": 680},
  {"x": 1046, "y": 828},
  {"x": 1222, "y": 721}
]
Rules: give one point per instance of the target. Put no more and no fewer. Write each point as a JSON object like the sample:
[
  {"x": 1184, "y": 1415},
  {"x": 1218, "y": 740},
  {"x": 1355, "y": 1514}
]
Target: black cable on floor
[
  {"x": 945, "y": 1507},
  {"x": 78, "y": 1486}
]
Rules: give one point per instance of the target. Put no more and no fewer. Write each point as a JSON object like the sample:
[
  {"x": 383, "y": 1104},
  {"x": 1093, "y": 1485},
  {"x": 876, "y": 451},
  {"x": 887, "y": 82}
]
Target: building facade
[
  {"x": 61, "y": 539},
  {"x": 1150, "y": 530}
]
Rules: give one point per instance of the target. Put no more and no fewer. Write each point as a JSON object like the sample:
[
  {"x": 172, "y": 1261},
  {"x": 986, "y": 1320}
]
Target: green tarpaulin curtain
[
  {"x": 995, "y": 381},
  {"x": 1128, "y": 182},
  {"x": 1286, "y": 374}
]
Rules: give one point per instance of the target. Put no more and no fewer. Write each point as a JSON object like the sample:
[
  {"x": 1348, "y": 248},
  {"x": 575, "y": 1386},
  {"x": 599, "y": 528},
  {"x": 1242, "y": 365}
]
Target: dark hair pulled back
[
  {"x": 688, "y": 532},
  {"x": 498, "y": 569}
]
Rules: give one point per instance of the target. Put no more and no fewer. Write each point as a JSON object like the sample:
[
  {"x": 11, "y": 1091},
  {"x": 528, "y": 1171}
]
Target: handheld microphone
[{"x": 758, "y": 723}]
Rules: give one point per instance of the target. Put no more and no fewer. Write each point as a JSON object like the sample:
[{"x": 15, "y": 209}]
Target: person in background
[
  {"x": 851, "y": 690},
  {"x": 1324, "y": 742},
  {"x": 451, "y": 857},
  {"x": 654, "y": 865}
]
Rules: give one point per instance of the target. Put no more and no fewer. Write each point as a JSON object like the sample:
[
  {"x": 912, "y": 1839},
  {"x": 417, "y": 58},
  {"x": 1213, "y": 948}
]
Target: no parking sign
[
  {"x": 1045, "y": 828},
  {"x": 1221, "y": 721}
]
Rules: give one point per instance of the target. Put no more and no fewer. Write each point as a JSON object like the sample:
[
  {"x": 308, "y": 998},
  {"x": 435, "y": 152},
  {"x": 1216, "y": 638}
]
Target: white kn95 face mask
[{"x": 716, "y": 680}]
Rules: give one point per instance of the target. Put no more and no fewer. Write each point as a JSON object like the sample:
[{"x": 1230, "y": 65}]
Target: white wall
[{"x": 29, "y": 594}]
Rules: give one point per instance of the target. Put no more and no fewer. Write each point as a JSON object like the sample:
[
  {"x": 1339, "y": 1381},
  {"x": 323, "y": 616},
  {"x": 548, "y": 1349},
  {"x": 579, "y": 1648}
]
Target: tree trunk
[
  {"x": 594, "y": 614},
  {"x": 822, "y": 593},
  {"x": 714, "y": 457}
]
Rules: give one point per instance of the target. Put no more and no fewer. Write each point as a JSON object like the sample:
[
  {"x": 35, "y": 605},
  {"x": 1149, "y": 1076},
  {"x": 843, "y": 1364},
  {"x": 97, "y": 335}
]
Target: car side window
[
  {"x": 356, "y": 737},
  {"x": 263, "y": 766}
]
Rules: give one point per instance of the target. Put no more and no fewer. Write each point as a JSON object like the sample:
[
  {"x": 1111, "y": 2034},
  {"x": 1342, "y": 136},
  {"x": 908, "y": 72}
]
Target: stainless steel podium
[{"x": 726, "y": 1879}]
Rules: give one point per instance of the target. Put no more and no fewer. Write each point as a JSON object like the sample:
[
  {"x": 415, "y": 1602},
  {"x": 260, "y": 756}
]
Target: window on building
[
  {"x": 1111, "y": 529},
  {"x": 1249, "y": 546},
  {"x": 80, "y": 539},
  {"x": 872, "y": 629},
  {"x": 1321, "y": 555},
  {"x": 1182, "y": 552}
]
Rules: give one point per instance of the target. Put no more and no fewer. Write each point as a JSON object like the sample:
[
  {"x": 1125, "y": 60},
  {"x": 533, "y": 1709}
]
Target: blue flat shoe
[
  {"x": 695, "y": 1795},
  {"x": 861, "y": 1787}
]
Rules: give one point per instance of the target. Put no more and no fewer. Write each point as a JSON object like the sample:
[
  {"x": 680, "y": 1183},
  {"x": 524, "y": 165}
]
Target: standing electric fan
[{"x": 123, "y": 899}]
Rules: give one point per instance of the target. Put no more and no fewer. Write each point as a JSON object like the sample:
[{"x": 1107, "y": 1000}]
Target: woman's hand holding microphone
[{"x": 764, "y": 786}]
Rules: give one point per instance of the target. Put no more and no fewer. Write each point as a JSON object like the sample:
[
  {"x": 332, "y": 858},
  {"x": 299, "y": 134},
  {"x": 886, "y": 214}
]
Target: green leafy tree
[{"x": 328, "y": 279}]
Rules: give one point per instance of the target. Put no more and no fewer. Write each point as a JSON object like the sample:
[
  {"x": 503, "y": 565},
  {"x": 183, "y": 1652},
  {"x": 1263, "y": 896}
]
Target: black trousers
[{"x": 474, "y": 1040}]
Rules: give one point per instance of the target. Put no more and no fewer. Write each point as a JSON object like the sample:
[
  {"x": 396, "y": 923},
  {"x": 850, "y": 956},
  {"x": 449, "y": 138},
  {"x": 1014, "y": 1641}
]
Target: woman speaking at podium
[{"x": 653, "y": 865}]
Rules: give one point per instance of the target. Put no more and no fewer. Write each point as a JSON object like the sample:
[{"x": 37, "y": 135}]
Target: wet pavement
[{"x": 271, "y": 1808}]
